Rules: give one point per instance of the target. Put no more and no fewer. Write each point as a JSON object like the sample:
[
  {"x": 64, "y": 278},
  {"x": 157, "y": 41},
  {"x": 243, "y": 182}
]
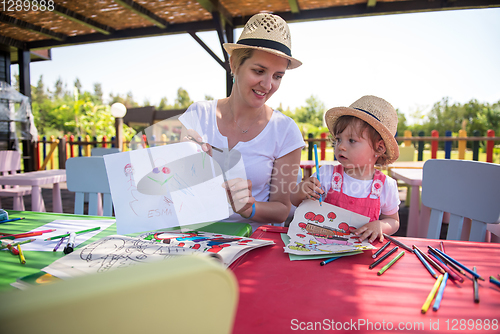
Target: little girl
[{"x": 363, "y": 137}]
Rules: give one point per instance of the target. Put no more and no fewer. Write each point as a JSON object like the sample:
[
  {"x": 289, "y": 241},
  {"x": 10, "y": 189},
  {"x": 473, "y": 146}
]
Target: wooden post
[
  {"x": 88, "y": 146},
  {"x": 323, "y": 145},
  {"x": 409, "y": 135},
  {"x": 104, "y": 141},
  {"x": 52, "y": 158},
  {"x": 163, "y": 139},
  {"x": 44, "y": 148},
  {"x": 462, "y": 144},
  {"x": 475, "y": 146},
  {"x": 71, "y": 146},
  {"x": 420, "y": 155},
  {"x": 62, "y": 153},
  {"x": 37, "y": 154},
  {"x": 80, "y": 146},
  {"x": 310, "y": 146},
  {"x": 489, "y": 146},
  {"x": 434, "y": 144},
  {"x": 447, "y": 146}
]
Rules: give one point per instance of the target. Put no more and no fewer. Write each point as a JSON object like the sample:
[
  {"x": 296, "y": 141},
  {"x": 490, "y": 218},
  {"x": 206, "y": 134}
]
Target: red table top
[{"x": 280, "y": 296}]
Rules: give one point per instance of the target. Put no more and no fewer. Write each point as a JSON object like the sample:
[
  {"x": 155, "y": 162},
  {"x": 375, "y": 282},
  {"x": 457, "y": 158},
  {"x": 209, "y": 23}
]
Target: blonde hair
[{"x": 239, "y": 56}]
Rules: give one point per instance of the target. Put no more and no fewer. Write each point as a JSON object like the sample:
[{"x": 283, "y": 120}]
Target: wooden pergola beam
[
  {"x": 214, "y": 6},
  {"x": 294, "y": 6},
  {"x": 143, "y": 12},
  {"x": 31, "y": 27},
  {"x": 80, "y": 19},
  {"x": 13, "y": 42}
]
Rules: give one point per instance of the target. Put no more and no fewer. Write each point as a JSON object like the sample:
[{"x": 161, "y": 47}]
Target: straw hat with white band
[
  {"x": 377, "y": 112},
  {"x": 266, "y": 32}
]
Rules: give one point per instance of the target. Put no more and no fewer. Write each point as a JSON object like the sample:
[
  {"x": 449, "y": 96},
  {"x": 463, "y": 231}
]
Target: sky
[{"x": 411, "y": 60}]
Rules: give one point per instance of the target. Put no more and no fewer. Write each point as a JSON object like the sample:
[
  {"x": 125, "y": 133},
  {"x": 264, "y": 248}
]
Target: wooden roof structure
[{"x": 73, "y": 22}]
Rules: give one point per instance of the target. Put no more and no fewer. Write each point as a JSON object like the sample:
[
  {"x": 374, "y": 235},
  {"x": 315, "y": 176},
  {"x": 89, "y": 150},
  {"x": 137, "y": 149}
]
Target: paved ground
[{"x": 68, "y": 200}]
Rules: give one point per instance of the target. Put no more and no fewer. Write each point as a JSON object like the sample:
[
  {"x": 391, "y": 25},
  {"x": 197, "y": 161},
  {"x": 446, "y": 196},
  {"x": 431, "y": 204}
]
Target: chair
[
  {"x": 186, "y": 294},
  {"x": 10, "y": 163},
  {"x": 100, "y": 151},
  {"x": 88, "y": 175},
  {"x": 465, "y": 189}
]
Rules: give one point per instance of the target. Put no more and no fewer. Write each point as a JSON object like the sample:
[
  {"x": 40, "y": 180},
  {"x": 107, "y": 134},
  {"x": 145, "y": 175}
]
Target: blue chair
[
  {"x": 88, "y": 175},
  {"x": 465, "y": 189}
]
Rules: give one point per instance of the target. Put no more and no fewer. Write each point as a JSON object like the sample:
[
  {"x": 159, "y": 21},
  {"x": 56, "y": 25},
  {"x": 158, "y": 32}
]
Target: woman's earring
[{"x": 376, "y": 155}]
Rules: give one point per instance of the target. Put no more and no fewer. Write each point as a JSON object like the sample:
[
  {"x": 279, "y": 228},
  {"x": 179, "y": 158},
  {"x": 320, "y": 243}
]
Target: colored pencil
[
  {"x": 450, "y": 271},
  {"x": 461, "y": 265},
  {"x": 476, "y": 287},
  {"x": 430, "y": 261},
  {"x": 382, "y": 258},
  {"x": 377, "y": 253},
  {"x": 445, "y": 260},
  {"x": 329, "y": 260},
  {"x": 424, "y": 262},
  {"x": 21, "y": 255},
  {"x": 431, "y": 295},
  {"x": 494, "y": 281},
  {"x": 387, "y": 266},
  {"x": 201, "y": 143},
  {"x": 59, "y": 243},
  {"x": 79, "y": 232},
  {"x": 399, "y": 243},
  {"x": 11, "y": 220},
  {"x": 441, "y": 245},
  {"x": 317, "y": 169},
  {"x": 439, "y": 295},
  {"x": 27, "y": 234},
  {"x": 12, "y": 249}
]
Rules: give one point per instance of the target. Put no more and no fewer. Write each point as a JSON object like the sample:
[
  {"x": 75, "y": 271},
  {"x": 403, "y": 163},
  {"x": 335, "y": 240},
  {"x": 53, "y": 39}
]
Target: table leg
[
  {"x": 413, "y": 212},
  {"x": 37, "y": 203},
  {"x": 56, "y": 198}
]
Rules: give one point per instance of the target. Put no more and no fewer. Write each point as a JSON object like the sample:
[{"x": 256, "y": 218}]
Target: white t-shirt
[
  {"x": 389, "y": 198},
  {"x": 280, "y": 137}
]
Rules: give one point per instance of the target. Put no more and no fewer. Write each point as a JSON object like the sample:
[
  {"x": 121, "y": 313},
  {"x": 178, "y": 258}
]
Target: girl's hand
[
  {"x": 311, "y": 188},
  {"x": 370, "y": 231},
  {"x": 239, "y": 192}
]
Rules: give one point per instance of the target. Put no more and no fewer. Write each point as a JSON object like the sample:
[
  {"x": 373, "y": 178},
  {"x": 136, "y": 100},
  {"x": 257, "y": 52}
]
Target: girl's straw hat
[
  {"x": 375, "y": 111},
  {"x": 266, "y": 32}
]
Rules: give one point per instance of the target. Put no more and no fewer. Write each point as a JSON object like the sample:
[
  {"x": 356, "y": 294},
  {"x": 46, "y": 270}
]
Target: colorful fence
[{"x": 52, "y": 153}]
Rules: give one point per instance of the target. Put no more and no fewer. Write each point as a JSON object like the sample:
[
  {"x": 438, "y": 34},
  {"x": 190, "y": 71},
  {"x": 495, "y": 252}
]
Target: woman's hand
[
  {"x": 193, "y": 136},
  {"x": 239, "y": 192}
]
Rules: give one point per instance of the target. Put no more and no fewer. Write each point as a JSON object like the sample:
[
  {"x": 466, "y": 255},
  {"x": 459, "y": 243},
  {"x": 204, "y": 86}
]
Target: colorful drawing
[{"x": 310, "y": 232}]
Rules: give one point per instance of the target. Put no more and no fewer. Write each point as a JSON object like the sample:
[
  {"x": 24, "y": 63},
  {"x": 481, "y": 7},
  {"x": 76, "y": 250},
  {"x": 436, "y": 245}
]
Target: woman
[{"x": 269, "y": 142}]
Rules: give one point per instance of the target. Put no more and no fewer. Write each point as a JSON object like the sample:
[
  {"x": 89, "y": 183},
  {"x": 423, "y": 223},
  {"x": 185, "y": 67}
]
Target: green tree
[
  {"x": 163, "y": 104},
  {"x": 183, "y": 101}
]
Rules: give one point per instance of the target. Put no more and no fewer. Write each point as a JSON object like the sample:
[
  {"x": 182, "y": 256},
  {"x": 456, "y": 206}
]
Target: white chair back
[
  {"x": 88, "y": 175},
  {"x": 465, "y": 189},
  {"x": 100, "y": 151}
]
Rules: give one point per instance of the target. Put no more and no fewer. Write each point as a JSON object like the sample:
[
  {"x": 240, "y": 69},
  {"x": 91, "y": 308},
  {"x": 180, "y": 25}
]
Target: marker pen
[{"x": 71, "y": 243}]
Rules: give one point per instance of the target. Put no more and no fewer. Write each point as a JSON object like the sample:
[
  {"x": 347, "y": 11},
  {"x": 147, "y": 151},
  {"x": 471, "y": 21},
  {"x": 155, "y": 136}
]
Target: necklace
[{"x": 255, "y": 120}]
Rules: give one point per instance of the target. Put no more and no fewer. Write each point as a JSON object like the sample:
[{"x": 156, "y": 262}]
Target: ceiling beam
[
  {"x": 80, "y": 19},
  {"x": 213, "y": 6},
  {"x": 31, "y": 27},
  {"x": 13, "y": 42},
  {"x": 143, "y": 12},
  {"x": 305, "y": 15},
  {"x": 294, "y": 6},
  {"x": 207, "y": 48}
]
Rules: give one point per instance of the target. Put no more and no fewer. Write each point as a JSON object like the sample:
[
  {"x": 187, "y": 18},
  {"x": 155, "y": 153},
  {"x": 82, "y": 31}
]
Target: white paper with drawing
[
  {"x": 323, "y": 229},
  {"x": 165, "y": 186},
  {"x": 115, "y": 251}
]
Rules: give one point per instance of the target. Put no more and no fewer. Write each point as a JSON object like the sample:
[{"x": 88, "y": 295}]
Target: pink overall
[{"x": 369, "y": 207}]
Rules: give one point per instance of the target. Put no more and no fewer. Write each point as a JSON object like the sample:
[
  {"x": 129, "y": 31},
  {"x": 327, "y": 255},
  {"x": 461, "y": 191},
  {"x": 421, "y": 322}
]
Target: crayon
[
  {"x": 329, "y": 260},
  {"x": 27, "y": 234},
  {"x": 424, "y": 262},
  {"x": 382, "y": 258},
  {"x": 10, "y": 220},
  {"x": 399, "y": 243},
  {"x": 494, "y": 281},
  {"x": 21, "y": 255},
  {"x": 387, "y": 266},
  {"x": 67, "y": 234},
  {"x": 431, "y": 295},
  {"x": 452, "y": 274},
  {"x": 317, "y": 169},
  {"x": 377, "y": 253},
  {"x": 461, "y": 265},
  {"x": 476, "y": 287},
  {"x": 439, "y": 295},
  {"x": 59, "y": 243},
  {"x": 445, "y": 260}
]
